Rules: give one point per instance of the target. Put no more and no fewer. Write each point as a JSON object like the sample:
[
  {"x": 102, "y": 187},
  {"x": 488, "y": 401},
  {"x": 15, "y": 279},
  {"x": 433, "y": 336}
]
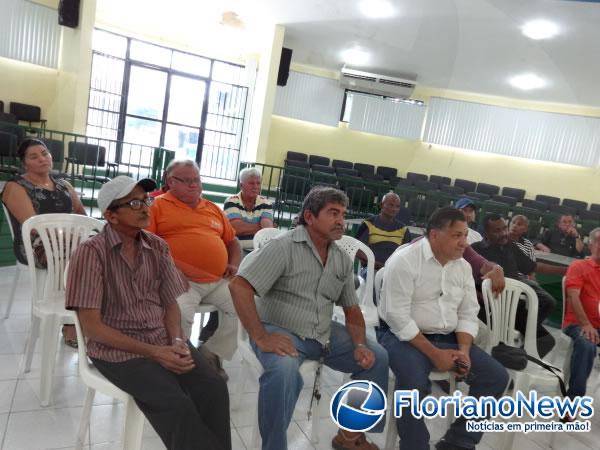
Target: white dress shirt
[
  {"x": 421, "y": 295},
  {"x": 473, "y": 236}
]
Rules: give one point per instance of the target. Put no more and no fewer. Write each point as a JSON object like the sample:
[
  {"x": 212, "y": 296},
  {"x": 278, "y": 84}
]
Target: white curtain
[
  {"x": 544, "y": 136},
  {"x": 387, "y": 117},
  {"x": 29, "y": 32},
  {"x": 310, "y": 98}
]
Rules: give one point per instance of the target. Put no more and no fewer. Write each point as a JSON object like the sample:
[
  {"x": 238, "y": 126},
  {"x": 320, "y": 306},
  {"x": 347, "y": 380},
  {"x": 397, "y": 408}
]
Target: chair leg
[
  {"x": 453, "y": 387},
  {"x": 316, "y": 420},
  {"x": 255, "y": 438},
  {"x": 49, "y": 337},
  {"x": 84, "y": 423},
  {"x": 34, "y": 333},
  {"x": 391, "y": 433},
  {"x": 11, "y": 295},
  {"x": 134, "y": 426}
]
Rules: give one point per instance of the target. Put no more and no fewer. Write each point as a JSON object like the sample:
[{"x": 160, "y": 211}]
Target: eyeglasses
[
  {"x": 187, "y": 181},
  {"x": 135, "y": 204}
]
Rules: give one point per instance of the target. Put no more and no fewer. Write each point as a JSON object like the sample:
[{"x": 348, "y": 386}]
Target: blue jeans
[
  {"x": 281, "y": 382},
  {"x": 582, "y": 360},
  {"x": 412, "y": 368}
]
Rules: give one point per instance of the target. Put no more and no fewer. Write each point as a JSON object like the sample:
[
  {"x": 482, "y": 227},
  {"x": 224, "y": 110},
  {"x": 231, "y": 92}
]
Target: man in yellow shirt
[{"x": 204, "y": 248}]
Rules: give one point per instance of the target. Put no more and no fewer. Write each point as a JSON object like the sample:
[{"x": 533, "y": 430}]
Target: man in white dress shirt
[{"x": 428, "y": 312}]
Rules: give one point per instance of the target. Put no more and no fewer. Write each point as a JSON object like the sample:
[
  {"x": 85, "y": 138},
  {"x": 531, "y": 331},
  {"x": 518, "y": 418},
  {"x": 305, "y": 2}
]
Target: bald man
[{"x": 384, "y": 233}]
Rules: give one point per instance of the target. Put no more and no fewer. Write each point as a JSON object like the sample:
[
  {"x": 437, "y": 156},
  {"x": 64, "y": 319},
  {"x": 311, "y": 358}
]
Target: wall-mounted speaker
[
  {"x": 284, "y": 66},
  {"x": 68, "y": 13}
]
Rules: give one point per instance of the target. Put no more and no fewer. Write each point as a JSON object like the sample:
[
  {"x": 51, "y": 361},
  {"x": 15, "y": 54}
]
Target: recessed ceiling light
[
  {"x": 527, "y": 81},
  {"x": 540, "y": 29},
  {"x": 355, "y": 56},
  {"x": 377, "y": 9}
]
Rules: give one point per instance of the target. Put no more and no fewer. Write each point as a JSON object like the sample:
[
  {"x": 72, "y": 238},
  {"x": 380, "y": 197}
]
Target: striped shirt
[
  {"x": 296, "y": 291},
  {"x": 234, "y": 209},
  {"x": 131, "y": 299},
  {"x": 383, "y": 237},
  {"x": 526, "y": 246}
]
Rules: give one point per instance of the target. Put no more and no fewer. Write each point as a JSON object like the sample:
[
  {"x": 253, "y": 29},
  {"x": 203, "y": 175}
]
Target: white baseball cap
[{"x": 120, "y": 187}]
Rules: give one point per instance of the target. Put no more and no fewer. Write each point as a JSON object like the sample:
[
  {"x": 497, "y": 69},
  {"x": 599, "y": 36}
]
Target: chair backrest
[
  {"x": 60, "y": 234},
  {"x": 351, "y": 246},
  {"x": 501, "y": 311},
  {"x": 8, "y": 144},
  {"x": 456, "y": 190},
  {"x": 7, "y": 218},
  {"x": 578, "y": 205},
  {"x": 322, "y": 168},
  {"x": 264, "y": 235},
  {"x": 534, "y": 204},
  {"x": 517, "y": 193},
  {"x": 467, "y": 185},
  {"x": 386, "y": 172},
  {"x": 440, "y": 180},
  {"x": 297, "y": 156},
  {"x": 346, "y": 172},
  {"x": 489, "y": 189},
  {"x": 379, "y": 283},
  {"x": 87, "y": 154},
  {"x": 316, "y": 159},
  {"x": 548, "y": 199},
  {"x": 342, "y": 164},
  {"x": 27, "y": 112},
  {"x": 363, "y": 169}
]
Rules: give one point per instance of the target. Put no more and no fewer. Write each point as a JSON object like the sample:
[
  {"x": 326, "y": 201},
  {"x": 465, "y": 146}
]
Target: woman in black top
[{"x": 37, "y": 192}]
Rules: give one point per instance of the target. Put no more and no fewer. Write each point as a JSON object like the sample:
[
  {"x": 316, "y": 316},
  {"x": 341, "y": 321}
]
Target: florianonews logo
[{"x": 358, "y": 405}]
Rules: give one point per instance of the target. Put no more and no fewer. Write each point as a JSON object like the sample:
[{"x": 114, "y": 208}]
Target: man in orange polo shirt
[
  {"x": 582, "y": 318},
  {"x": 204, "y": 248}
]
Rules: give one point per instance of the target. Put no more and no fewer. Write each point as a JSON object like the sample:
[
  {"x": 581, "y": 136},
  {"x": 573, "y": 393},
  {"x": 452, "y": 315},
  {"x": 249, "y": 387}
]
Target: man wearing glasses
[
  {"x": 124, "y": 285},
  {"x": 205, "y": 250}
]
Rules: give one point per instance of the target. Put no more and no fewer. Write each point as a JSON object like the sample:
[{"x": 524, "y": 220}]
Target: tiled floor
[{"x": 25, "y": 425}]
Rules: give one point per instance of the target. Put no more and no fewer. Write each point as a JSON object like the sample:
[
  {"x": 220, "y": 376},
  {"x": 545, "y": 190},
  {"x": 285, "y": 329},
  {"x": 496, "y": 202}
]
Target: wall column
[{"x": 263, "y": 97}]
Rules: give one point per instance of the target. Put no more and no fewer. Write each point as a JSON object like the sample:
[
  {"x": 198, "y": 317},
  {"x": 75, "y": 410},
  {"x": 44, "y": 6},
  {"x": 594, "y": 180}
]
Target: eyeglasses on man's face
[
  {"x": 135, "y": 204},
  {"x": 187, "y": 181}
]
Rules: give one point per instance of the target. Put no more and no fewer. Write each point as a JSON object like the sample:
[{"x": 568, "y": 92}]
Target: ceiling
[{"x": 467, "y": 45}]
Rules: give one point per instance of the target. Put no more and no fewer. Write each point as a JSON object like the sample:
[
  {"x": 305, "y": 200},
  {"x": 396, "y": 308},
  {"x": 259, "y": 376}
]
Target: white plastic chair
[
  {"x": 500, "y": 311},
  {"x": 60, "y": 235},
  {"x": 351, "y": 246},
  {"x": 250, "y": 362},
  {"x": 95, "y": 381},
  {"x": 391, "y": 434},
  {"x": 264, "y": 235},
  {"x": 19, "y": 267}
]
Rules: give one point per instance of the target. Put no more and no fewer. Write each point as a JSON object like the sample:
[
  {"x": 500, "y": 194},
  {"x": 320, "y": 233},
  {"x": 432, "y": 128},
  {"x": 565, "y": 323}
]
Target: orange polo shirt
[{"x": 197, "y": 237}]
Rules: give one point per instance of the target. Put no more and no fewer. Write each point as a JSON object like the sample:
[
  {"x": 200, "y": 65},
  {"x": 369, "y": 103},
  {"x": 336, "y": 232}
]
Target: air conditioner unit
[{"x": 372, "y": 83}]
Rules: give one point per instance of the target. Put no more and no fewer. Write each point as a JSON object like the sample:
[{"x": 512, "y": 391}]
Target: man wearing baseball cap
[
  {"x": 469, "y": 209},
  {"x": 123, "y": 285}
]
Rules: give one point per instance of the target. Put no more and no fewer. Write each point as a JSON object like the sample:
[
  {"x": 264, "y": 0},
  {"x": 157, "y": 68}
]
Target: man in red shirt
[{"x": 582, "y": 319}]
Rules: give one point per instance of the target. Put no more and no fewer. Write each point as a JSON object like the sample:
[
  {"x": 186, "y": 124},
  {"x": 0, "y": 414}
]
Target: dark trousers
[{"x": 188, "y": 411}]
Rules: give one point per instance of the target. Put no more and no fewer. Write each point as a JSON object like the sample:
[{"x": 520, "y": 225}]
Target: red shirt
[{"x": 584, "y": 274}]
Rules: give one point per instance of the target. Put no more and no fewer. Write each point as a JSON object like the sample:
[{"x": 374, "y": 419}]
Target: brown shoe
[
  {"x": 214, "y": 361},
  {"x": 341, "y": 441}
]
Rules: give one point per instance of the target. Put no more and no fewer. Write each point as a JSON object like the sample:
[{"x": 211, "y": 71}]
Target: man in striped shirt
[
  {"x": 124, "y": 285},
  {"x": 248, "y": 211}
]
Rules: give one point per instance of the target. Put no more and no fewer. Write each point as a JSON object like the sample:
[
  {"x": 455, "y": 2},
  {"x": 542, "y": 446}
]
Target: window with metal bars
[{"x": 147, "y": 94}]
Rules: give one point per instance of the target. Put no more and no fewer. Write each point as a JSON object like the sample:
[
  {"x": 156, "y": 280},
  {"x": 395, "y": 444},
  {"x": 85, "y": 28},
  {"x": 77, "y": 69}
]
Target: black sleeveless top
[{"x": 44, "y": 202}]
